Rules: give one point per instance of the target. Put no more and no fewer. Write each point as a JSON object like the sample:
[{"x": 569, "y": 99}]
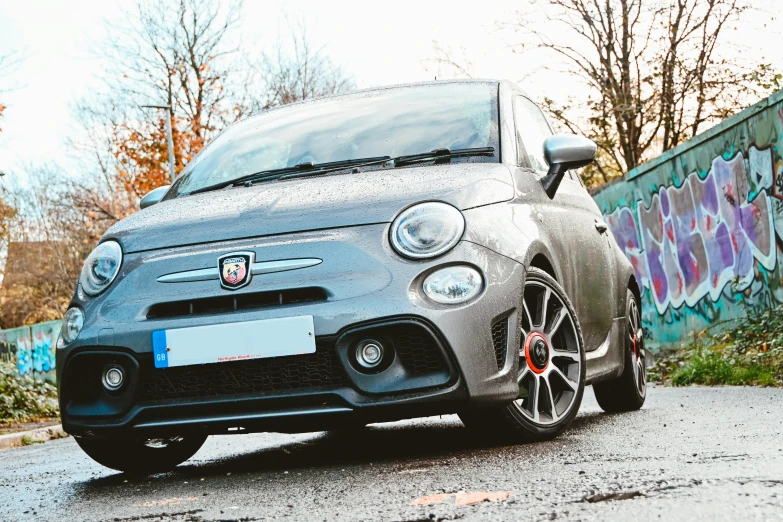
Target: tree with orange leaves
[
  {"x": 181, "y": 53},
  {"x": 185, "y": 54}
]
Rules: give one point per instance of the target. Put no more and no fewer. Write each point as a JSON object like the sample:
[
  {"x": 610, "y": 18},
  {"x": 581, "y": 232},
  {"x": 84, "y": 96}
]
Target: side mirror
[
  {"x": 564, "y": 152},
  {"x": 154, "y": 196}
]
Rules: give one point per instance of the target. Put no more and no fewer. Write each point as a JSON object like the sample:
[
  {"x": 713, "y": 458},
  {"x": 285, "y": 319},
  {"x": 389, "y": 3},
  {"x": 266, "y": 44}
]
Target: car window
[
  {"x": 532, "y": 130},
  {"x": 577, "y": 177},
  {"x": 384, "y": 122}
]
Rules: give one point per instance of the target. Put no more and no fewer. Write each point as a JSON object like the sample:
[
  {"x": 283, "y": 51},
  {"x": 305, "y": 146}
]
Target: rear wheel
[
  {"x": 627, "y": 392},
  {"x": 551, "y": 372},
  {"x": 142, "y": 456}
]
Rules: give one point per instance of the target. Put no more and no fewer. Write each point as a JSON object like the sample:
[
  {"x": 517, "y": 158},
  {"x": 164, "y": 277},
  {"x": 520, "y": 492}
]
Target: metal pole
[
  {"x": 171, "y": 145},
  {"x": 169, "y": 137}
]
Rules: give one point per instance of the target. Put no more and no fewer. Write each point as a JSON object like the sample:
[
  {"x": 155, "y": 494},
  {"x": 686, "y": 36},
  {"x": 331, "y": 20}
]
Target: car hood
[{"x": 310, "y": 203}]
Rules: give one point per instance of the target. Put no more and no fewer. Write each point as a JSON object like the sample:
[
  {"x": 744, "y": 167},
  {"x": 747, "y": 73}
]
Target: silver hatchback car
[{"x": 391, "y": 253}]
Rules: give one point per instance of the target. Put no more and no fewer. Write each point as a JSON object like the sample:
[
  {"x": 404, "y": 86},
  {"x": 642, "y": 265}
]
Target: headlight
[
  {"x": 427, "y": 230},
  {"x": 101, "y": 267},
  {"x": 453, "y": 284},
  {"x": 72, "y": 324}
]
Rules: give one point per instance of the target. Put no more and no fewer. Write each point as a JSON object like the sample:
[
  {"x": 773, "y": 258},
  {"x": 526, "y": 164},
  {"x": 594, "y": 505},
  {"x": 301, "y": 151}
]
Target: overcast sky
[{"x": 378, "y": 42}]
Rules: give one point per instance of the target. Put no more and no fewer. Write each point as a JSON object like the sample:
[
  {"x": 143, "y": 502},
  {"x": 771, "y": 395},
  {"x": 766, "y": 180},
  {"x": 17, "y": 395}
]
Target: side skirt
[{"x": 607, "y": 361}]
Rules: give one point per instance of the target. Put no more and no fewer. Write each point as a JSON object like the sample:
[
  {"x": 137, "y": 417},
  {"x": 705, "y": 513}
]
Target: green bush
[
  {"x": 22, "y": 399},
  {"x": 749, "y": 353},
  {"x": 711, "y": 368}
]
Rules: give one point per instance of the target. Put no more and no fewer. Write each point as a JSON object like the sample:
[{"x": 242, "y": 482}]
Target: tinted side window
[{"x": 532, "y": 130}]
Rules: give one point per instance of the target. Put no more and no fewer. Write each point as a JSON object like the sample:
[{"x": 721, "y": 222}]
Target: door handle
[{"x": 601, "y": 227}]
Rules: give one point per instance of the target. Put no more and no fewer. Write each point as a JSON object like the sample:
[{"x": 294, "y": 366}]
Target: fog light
[
  {"x": 369, "y": 354},
  {"x": 453, "y": 284},
  {"x": 72, "y": 324},
  {"x": 113, "y": 377}
]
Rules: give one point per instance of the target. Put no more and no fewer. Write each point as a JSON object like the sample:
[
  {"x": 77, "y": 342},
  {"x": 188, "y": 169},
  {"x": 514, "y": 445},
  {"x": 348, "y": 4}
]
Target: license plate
[{"x": 233, "y": 341}]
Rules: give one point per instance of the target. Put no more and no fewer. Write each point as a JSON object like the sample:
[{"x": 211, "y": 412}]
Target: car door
[{"x": 576, "y": 232}]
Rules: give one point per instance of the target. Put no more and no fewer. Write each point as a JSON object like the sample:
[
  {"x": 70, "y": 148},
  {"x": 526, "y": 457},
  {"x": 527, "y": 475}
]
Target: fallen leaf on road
[
  {"x": 431, "y": 499},
  {"x": 463, "y": 498},
  {"x": 468, "y": 498}
]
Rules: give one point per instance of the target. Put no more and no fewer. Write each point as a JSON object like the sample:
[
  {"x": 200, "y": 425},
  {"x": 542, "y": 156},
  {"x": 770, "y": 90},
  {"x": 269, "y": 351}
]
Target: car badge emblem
[{"x": 235, "y": 269}]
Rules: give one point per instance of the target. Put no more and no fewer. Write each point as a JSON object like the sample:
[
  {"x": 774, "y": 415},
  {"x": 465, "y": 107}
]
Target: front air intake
[
  {"x": 230, "y": 303},
  {"x": 276, "y": 374},
  {"x": 500, "y": 340}
]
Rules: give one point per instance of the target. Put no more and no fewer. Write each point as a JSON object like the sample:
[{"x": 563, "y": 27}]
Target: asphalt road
[{"x": 690, "y": 453}]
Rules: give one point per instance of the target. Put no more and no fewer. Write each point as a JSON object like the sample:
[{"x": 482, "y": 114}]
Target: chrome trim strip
[
  {"x": 268, "y": 267},
  {"x": 205, "y": 274},
  {"x": 601, "y": 350},
  {"x": 264, "y": 267}
]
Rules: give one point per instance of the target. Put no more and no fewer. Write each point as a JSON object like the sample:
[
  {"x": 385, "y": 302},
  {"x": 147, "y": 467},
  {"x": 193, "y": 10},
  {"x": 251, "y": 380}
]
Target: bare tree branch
[
  {"x": 297, "y": 69},
  {"x": 653, "y": 69}
]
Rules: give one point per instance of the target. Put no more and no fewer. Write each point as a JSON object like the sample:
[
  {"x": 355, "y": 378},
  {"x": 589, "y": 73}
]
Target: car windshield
[{"x": 386, "y": 122}]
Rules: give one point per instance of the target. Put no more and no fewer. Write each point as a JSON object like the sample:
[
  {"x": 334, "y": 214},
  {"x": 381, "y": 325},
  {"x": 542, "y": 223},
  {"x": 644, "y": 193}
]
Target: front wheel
[
  {"x": 551, "y": 372},
  {"x": 142, "y": 456}
]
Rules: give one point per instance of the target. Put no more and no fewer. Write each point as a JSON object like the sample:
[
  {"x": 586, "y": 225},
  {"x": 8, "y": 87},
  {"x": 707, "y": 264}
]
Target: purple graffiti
[{"x": 694, "y": 239}]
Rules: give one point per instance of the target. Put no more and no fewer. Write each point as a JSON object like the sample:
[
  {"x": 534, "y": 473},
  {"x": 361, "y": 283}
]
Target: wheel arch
[
  {"x": 541, "y": 262},
  {"x": 633, "y": 286},
  {"x": 538, "y": 255}
]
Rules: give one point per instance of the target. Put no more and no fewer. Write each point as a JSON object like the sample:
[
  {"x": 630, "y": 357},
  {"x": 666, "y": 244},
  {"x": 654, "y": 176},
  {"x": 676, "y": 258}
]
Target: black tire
[
  {"x": 627, "y": 392},
  {"x": 142, "y": 456},
  {"x": 514, "y": 422}
]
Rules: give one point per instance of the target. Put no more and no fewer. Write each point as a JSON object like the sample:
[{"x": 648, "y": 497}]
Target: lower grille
[
  {"x": 418, "y": 351},
  {"x": 321, "y": 368},
  {"x": 500, "y": 340}
]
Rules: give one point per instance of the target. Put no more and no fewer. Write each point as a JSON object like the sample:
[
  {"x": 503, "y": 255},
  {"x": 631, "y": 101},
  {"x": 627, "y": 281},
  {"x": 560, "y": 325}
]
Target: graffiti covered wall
[
  {"x": 703, "y": 225},
  {"x": 31, "y": 349}
]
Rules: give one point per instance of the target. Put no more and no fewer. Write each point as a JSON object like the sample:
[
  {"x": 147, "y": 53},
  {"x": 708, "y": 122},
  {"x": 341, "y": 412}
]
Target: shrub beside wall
[{"x": 22, "y": 399}]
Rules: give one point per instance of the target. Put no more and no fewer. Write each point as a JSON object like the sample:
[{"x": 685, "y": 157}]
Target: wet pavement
[{"x": 690, "y": 453}]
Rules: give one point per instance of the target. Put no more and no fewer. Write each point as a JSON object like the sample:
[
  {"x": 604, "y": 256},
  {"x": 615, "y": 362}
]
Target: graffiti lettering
[
  {"x": 696, "y": 238},
  {"x": 31, "y": 349}
]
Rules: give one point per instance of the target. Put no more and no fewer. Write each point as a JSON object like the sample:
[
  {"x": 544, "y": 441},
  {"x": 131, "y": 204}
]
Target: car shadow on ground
[{"x": 399, "y": 446}]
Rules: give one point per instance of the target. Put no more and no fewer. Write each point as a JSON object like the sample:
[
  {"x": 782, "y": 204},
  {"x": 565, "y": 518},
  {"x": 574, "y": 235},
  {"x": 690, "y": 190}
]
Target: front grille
[
  {"x": 321, "y": 368},
  {"x": 418, "y": 352},
  {"x": 230, "y": 303},
  {"x": 500, "y": 340}
]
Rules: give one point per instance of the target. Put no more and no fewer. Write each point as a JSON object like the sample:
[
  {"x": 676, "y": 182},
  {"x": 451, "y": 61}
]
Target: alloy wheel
[
  {"x": 550, "y": 362},
  {"x": 639, "y": 357}
]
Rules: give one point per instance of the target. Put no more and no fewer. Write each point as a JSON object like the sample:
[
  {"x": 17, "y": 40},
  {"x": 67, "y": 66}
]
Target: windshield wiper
[
  {"x": 307, "y": 167},
  {"x": 438, "y": 155},
  {"x": 334, "y": 166},
  {"x": 443, "y": 155}
]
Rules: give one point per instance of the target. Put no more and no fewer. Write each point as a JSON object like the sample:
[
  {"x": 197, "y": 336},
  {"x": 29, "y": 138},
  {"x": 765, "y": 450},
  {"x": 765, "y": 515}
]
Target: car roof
[{"x": 510, "y": 84}]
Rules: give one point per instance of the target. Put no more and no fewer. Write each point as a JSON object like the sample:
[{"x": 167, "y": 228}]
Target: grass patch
[
  {"x": 712, "y": 368},
  {"x": 749, "y": 353},
  {"x": 28, "y": 441}
]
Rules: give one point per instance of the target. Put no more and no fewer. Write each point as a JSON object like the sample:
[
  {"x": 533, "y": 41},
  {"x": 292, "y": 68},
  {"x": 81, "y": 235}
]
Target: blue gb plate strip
[{"x": 159, "y": 350}]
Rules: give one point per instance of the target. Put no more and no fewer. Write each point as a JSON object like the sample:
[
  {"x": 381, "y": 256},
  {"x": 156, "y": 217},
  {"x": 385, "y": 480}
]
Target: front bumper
[{"x": 365, "y": 284}]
